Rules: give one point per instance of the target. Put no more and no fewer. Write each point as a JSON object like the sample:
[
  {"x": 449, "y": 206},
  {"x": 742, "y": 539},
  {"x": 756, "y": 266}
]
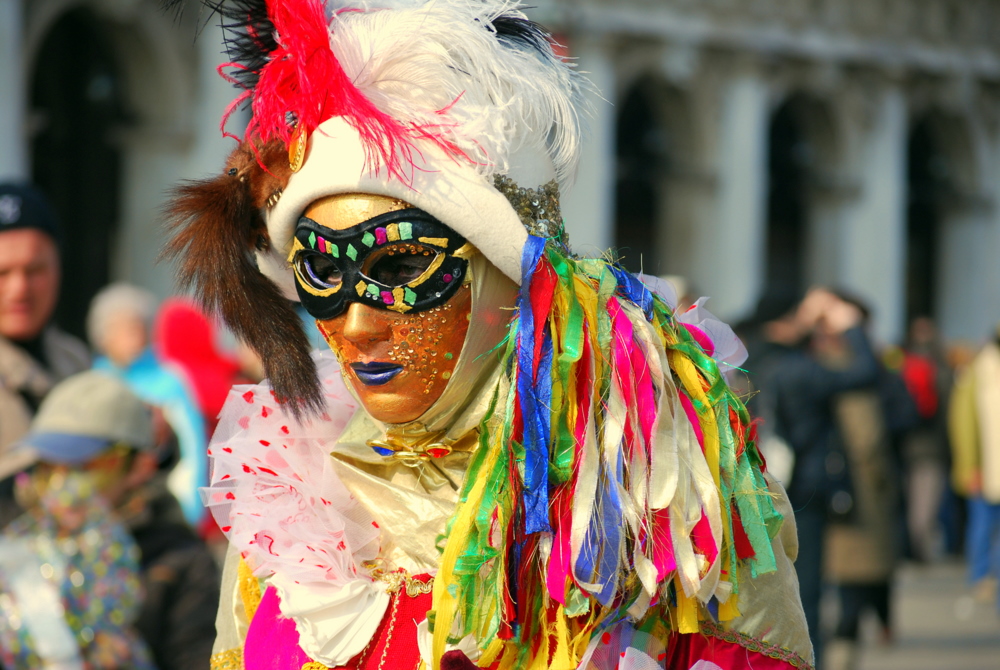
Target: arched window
[
  {"x": 928, "y": 179},
  {"x": 77, "y": 113},
  {"x": 789, "y": 163},
  {"x": 642, "y": 155}
]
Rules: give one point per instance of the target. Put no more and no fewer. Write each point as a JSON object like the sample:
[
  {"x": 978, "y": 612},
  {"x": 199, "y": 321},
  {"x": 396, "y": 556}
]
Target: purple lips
[{"x": 376, "y": 374}]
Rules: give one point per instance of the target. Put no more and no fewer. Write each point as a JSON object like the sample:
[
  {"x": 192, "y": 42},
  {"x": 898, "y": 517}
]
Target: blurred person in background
[
  {"x": 34, "y": 354},
  {"x": 69, "y": 570},
  {"x": 178, "y": 575},
  {"x": 119, "y": 324},
  {"x": 861, "y": 548},
  {"x": 186, "y": 338},
  {"x": 974, "y": 429},
  {"x": 924, "y": 449},
  {"x": 796, "y": 402}
]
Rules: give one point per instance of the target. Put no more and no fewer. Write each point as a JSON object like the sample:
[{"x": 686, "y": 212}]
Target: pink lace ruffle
[{"x": 274, "y": 492}]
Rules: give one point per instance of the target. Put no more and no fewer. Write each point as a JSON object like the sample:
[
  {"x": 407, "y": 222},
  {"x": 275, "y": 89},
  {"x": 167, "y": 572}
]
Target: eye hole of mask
[
  {"x": 319, "y": 270},
  {"x": 396, "y": 266}
]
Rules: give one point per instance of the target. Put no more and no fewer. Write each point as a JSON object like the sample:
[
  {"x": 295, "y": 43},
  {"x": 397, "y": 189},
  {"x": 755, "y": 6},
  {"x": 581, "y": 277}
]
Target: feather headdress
[
  {"x": 416, "y": 100},
  {"x": 476, "y": 78}
]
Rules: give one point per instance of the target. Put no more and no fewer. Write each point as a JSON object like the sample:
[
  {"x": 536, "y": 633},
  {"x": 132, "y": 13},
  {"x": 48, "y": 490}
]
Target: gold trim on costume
[
  {"x": 435, "y": 241},
  {"x": 297, "y": 149},
  {"x": 322, "y": 293},
  {"x": 431, "y": 269},
  {"x": 400, "y": 579},
  {"x": 249, "y": 589},
  {"x": 395, "y": 581},
  {"x": 715, "y": 630},
  {"x": 231, "y": 659}
]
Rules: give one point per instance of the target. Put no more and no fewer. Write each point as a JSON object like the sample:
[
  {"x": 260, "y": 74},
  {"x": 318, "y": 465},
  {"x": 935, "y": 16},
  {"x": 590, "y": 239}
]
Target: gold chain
[{"x": 395, "y": 581}]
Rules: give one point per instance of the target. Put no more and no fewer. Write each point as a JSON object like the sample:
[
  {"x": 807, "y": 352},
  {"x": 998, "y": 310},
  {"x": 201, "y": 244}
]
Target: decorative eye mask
[{"x": 404, "y": 261}]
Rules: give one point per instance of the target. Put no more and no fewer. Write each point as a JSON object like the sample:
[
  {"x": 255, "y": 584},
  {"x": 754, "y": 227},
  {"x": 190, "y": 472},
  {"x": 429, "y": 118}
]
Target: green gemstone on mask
[
  {"x": 332, "y": 248},
  {"x": 409, "y": 297},
  {"x": 368, "y": 239},
  {"x": 449, "y": 355},
  {"x": 351, "y": 252},
  {"x": 373, "y": 290},
  {"x": 406, "y": 231},
  {"x": 312, "y": 240}
]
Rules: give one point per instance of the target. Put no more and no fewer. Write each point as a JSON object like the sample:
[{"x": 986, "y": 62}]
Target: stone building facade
[
  {"x": 743, "y": 144},
  {"x": 754, "y": 144}
]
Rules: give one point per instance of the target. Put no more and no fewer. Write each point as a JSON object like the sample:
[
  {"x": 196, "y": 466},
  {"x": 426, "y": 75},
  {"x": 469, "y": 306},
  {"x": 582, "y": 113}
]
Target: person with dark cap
[{"x": 34, "y": 354}]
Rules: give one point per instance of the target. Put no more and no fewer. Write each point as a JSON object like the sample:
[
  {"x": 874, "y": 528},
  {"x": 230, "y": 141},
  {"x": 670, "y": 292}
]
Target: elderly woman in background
[{"x": 118, "y": 326}]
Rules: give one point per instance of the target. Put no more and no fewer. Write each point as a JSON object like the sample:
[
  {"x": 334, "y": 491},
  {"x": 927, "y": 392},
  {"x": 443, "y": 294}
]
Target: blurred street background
[{"x": 940, "y": 625}]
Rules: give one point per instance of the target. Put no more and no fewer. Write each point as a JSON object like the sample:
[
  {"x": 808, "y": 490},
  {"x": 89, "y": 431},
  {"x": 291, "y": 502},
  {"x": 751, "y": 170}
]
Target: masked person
[{"x": 515, "y": 457}]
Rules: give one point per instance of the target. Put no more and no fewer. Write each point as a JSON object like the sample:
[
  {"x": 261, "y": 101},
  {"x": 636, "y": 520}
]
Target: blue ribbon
[
  {"x": 630, "y": 287},
  {"x": 535, "y": 396}
]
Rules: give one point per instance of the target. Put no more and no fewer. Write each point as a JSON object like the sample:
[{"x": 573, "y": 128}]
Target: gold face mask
[{"x": 398, "y": 364}]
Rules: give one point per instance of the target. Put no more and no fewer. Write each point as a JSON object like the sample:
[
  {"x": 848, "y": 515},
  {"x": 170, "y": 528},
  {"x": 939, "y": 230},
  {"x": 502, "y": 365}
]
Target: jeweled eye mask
[{"x": 404, "y": 261}]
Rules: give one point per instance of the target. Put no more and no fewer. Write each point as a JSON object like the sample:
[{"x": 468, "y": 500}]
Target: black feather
[
  {"x": 521, "y": 32},
  {"x": 249, "y": 37},
  {"x": 248, "y": 34},
  {"x": 175, "y": 6}
]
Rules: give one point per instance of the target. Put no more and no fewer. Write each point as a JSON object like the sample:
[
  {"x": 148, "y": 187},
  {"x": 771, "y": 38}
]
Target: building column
[
  {"x": 968, "y": 278},
  {"x": 730, "y": 249},
  {"x": 162, "y": 154},
  {"x": 13, "y": 100},
  {"x": 588, "y": 207},
  {"x": 874, "y": 243},
  {"x": 213, "y": 96}
]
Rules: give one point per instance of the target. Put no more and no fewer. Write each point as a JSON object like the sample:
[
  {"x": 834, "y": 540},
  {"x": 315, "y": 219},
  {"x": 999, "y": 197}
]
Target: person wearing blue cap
[{"x": 34, "y": 354}]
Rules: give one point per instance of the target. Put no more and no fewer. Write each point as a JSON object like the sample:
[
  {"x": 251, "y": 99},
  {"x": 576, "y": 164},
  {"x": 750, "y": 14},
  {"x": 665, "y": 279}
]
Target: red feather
[{"x": 304, "y": 81}]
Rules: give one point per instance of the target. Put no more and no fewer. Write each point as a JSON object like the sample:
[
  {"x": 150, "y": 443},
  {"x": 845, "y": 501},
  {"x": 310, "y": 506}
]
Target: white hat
[
  {"x": 431, "y": 102},
  {"x": 81, "y": 417},
  {"x": 461, "y": 108}
]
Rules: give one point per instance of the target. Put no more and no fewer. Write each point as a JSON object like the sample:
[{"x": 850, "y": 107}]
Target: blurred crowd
[
  {"x": 888, "y": 453},
  {"x": 108, "y": 558}
]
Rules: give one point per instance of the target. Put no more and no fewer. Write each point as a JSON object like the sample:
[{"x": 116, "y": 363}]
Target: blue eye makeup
[{"x": 404, "y": 261}]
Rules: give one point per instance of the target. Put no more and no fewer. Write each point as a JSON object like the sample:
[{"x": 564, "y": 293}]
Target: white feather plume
[{"x": 441, "y": 65}]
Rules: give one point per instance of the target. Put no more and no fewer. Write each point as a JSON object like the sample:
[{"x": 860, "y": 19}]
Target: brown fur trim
[{"x": 215, "y": 226}]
